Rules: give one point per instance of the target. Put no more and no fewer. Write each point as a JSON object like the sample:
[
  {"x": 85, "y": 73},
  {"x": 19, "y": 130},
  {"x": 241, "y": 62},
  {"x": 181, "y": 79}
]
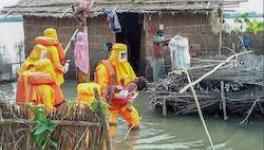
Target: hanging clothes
[
  {"x": 81, "y": 52},
  {"x": 179, "y": 50},
  {"x": 113, "y": 20}
]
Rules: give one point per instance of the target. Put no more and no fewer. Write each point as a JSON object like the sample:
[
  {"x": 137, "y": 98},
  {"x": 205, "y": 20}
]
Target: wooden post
[
  {"x": 223, "y": 100},
  {"x": 221, "y": 29},
  {"x": 85, "y": 29},
  {"x": 164, "y": 108},
  {"x": 84, "y": 77}
]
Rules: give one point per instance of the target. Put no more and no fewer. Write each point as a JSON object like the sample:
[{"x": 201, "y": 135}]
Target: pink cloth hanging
[{"x": 81, "y": 52}]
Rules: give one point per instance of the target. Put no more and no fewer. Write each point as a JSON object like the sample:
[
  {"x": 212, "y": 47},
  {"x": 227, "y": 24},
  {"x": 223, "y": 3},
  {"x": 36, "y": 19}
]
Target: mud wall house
[{"x": 139, "y": 20}]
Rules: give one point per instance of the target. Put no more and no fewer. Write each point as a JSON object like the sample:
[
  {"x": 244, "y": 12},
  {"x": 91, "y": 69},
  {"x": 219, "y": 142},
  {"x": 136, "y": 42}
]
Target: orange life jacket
[
  {"x": 42, "y": 78},
  {"x": 110, "y": 72},
  {"x": 27, "y": 85}
]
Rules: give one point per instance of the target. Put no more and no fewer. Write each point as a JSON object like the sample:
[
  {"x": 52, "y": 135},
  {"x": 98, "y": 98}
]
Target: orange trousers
[{"x": 129, "y": 114}]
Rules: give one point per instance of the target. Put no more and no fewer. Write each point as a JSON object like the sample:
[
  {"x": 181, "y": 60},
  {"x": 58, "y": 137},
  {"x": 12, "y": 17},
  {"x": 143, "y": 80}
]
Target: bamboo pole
[
  {"x": 85, "y": 77},
  {"x": 212, "y": 71},
  {"x": 69, "y": 43},
  {"x": 221, "y": 29},
  {"x": 85, "y": 30},
  {"x": 249, "y": 112},
  {"x": 200, "y": 112},
  {"x": 210, "y": 61}
]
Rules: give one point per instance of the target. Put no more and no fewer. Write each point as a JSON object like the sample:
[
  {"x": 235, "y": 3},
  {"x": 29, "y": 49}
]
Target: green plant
[
  {"x": 255, "y": 26},
  {"x": 252, "y": 26},
  {"x": 95, "y": 107},
  {"x": 42, "y": 130}
]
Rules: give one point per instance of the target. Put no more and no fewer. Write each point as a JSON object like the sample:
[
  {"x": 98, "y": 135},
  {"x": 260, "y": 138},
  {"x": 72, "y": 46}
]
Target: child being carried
[{"x": 122, "y": 95}]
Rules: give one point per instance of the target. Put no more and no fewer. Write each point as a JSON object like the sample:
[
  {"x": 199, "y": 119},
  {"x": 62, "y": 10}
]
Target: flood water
[{"x": 174, "y": 133}]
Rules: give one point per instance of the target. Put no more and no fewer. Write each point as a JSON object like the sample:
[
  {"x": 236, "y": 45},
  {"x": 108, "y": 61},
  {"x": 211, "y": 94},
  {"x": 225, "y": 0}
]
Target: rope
[{"x": 200, "y": 112}]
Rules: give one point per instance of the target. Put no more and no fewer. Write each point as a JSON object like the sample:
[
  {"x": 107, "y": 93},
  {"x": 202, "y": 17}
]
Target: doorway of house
[{"x": 131, "y": 35}]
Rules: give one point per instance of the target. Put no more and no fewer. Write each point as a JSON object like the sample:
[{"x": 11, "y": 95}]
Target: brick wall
[
  {"x": 195, "y": 26},
  {"x": 98, "y": 33}
]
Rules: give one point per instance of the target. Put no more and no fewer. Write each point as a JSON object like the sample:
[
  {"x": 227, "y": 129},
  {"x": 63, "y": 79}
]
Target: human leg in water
[{"x": 131, "y": 116}]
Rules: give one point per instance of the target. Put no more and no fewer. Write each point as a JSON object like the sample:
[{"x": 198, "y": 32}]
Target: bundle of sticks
[
  {"x": 77, "y": 127},
  {"x": 241, "y": 88}
]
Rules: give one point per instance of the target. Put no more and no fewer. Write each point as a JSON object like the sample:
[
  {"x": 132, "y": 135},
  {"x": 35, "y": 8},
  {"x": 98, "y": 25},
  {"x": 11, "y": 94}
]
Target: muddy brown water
[{"x": 174, "y": 132}]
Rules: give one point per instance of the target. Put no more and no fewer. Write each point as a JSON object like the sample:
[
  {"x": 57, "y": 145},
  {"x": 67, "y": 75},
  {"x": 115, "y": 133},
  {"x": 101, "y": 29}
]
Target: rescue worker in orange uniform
[
  {"x": 55, "y": 50},
  {"x": 37, "y": 81},
  {"x": 117, "y": 71}
]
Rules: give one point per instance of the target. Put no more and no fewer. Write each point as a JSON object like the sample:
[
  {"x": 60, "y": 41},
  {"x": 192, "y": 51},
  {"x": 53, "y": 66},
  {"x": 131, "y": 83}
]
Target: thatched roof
[{"x": 58, "y": 7}]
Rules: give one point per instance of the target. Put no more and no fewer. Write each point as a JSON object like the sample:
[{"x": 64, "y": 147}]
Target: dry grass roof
[{"x": 58, "y": 7}]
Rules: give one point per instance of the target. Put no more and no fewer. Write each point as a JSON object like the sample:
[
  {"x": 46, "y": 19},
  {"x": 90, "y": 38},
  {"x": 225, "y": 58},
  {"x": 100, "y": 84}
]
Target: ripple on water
[{"x": 150, "y": 137}]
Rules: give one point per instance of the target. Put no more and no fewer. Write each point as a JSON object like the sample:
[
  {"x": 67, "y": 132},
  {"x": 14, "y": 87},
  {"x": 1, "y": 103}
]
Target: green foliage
[
  {"x": 41, "y": 132},
  {"x": 255, "y": 26},
  {"x": 244, "y": 15},
  {"x": 252, "y": 26},
  {"x": 95, "y": 107}
]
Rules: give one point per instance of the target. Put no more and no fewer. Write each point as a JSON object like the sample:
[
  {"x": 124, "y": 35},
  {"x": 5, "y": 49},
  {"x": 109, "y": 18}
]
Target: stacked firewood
[{"x": 243, "y": 91}]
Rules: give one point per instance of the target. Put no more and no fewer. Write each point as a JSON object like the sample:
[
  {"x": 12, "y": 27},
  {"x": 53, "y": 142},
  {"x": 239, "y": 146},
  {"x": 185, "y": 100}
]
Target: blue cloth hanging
[{"x": 112, "y": 18}]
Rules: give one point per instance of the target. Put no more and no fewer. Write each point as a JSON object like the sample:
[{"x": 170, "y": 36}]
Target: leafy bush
[
  {"x": 95, "y": 107},
  {"x": 42, "y": 130}
]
